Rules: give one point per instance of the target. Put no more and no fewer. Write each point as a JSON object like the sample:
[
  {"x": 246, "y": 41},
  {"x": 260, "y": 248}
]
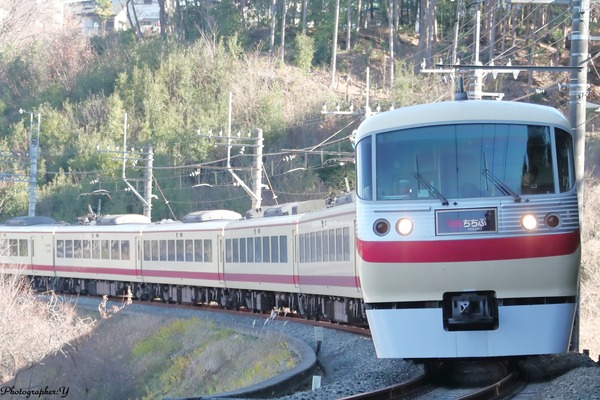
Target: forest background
[{"x": 174, "y": 87}]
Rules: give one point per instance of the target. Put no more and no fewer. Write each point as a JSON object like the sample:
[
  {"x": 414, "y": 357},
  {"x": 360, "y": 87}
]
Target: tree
[{"x": 105, "y": 12}]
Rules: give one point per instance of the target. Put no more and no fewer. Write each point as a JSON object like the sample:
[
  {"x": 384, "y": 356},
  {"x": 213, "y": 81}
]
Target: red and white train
[
  {"x": 463, "y": 240},
  {"x": 304, "y": 261},
  {"x": 468, "y": 230}
]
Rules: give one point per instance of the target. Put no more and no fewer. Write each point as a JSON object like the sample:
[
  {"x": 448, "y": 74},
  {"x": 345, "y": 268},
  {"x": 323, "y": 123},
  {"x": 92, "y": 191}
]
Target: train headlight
[
  {"x": 552, "y": 220},
  {"x": 404, "y": 226},
  {"x": 529, "y": 222},
  {"x": 381, "y": 227}
]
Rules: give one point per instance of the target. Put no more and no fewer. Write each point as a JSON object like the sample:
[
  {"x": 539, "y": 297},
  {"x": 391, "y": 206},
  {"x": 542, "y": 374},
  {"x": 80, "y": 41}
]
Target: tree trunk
[
  {"x": 283, "y": 13},
  {"x": 304, "y": 7},
  {"x": 273, "y": 23},
  {"x": 334, "y": 46},
  {"x": 348, "y": 26},
  {"x": 163, "y": 17}
]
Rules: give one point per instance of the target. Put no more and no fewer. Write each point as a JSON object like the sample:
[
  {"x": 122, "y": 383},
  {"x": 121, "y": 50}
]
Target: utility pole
[
  {"x": 34, "y": 144},
  {"x": 148, "y": 181},
  {"x": 477, "y": 84},
  {"x": 580, "y": 36}
]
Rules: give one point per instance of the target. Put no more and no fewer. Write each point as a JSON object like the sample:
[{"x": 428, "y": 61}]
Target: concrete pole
[
  {"x": 148, "y": 182},
  {"x": 257, "y": 171},
  {"x": 34, "y": 143},
  {"x": 579, "y": 87}
]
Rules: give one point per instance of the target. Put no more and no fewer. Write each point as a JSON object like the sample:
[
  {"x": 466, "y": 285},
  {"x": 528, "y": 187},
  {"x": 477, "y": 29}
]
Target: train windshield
[{"x": 464, "y": 161}]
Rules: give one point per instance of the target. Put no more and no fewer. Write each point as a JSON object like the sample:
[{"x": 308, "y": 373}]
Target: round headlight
[
  {"x": 529, "y": 222},
  {"x": 381, "y": 227},
  {"x": 404, "y": 226},
  {"x": 551, "y": 220}
]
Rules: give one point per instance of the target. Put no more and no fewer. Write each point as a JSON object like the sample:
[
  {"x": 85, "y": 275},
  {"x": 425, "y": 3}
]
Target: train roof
[
  {"x": 122, "y": 219},
  {"x": 30, "y": 220},
  {"x": 473, "y": 111},
  {"x": 211, "y": 215}
]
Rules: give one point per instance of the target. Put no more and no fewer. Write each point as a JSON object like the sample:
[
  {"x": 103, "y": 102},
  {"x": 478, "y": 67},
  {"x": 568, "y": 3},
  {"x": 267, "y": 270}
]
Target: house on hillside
[{"x": 147, "y": 13}]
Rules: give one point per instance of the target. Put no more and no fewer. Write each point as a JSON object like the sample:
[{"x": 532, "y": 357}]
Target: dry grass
[
  {"x": 589, "y": 337},
  {"x": 32, "y": 328}
]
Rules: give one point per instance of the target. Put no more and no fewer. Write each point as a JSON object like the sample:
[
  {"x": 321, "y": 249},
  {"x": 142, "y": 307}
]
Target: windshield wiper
[
  {"x": 430, "y": 188},
  {"x": 503, "y": 187}
]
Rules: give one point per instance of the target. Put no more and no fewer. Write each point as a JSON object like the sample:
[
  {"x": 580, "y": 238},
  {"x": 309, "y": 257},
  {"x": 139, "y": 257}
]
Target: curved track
[{"x": 429, "y": 387}]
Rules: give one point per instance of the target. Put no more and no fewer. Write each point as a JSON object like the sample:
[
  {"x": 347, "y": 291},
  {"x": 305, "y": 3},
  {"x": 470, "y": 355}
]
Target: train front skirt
[{"x": 522, "y": 329}]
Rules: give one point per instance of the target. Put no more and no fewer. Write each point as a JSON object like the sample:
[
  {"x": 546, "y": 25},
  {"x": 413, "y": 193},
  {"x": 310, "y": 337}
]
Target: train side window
[
  {"x": 115, "y": 249},
  {"x": 339, "y": 255},
  {"x": 60, "y": 249},
  {"x": 301, "y": 247},
  {"x": 274, "y": 249},
  {"x": 162, "y": 249},
  {"x": 208, "y": 251},
  {"x": 283, "y": 249},
  {"x": 243, "y": 250},
  {"x": 180, "y": 250},
  {"x": 257, "y": 250},
  {"x": 87, "y": 250},
  {"x": 125, "y": 249},
  {"x": 313, "y": 246},
  {"x": 564, "y": 160},
  {"x": 228, "y": 251},
  {"x": 346, "y": 240},
  {"x": 68, "y": 249},
  {"x": 197, "y": 250},
  {"x": 105, "y": 249},
  {"x": 319, "y": 246},
  {"x": 364, "y": 175},
  {"x": 250, "y": 248},
  {"x": 155, "y": 252},
  {"x": 96, "y": 249},
  {"x": 332, "y": 244},
  {"x": 189, "y": 250},
  {"x": 147, "y": 251},
  {"x": 325, "y": 246},
  {"x": 266, "y": 249},
  {"x": 13, "y": 249},
  {"x": 236, "y": 250},
  {"x": 171, "y": 250},
  {"x": 77, "y": 249},
  {"x": 23, "y": 248}
]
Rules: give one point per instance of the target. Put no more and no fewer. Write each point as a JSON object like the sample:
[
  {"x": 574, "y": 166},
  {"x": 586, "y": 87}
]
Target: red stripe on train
[{"x": 487, "y": 249}]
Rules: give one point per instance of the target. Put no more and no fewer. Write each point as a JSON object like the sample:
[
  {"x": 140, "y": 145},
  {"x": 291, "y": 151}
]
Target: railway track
[{"x": 428, "y": 387}]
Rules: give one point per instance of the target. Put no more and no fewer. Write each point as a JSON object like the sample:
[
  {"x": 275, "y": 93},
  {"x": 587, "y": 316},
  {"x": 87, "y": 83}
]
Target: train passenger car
[
  {"x": 26, "y": 246},
  {"x": 468, "y": 230},
  {"x": 103, "y": 254},
  {"x": 326, "y": 262},
  {"x": 181, "y": 260}
]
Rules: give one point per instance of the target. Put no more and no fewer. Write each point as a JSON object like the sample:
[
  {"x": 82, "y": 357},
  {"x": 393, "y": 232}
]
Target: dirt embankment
[{"x": 148, "y": 356}]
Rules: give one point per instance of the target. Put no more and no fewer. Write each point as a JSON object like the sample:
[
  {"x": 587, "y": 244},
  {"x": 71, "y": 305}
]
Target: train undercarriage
[{"x": 316, "y": 307}]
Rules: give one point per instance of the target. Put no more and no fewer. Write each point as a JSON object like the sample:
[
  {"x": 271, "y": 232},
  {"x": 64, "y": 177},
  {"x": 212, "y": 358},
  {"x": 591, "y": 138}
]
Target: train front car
[{"x": 468, "y": 230}]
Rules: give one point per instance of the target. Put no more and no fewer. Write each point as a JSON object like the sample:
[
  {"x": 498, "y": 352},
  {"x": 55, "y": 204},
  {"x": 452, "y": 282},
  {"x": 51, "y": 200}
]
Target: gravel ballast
[{"x": 348, "y": 364}]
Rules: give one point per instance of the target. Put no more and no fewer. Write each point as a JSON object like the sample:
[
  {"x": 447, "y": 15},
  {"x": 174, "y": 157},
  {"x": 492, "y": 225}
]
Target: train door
[
  {"x": 295, "y": 266},
  {"x": 221, "y": 259},
  {"x": 353, "y": 255},
  {"x": 138, "y": 258},
  {"x": 31, "y": 253}
]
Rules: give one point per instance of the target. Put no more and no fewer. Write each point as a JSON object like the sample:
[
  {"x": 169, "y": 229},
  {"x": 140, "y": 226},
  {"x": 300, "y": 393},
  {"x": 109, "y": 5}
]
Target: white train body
[
  {"x": 304, "y": 261},
  {"x": 447, "y": 267}
]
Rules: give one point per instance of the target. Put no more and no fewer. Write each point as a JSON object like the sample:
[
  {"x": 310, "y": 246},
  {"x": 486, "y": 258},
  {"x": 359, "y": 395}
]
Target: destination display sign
[{"x": 466, "y": 221}]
